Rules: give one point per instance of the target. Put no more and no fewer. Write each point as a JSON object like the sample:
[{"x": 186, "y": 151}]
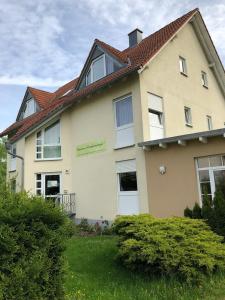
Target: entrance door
[
  {"x": 128, "y": 203},
  {"x": 52, "y": 185}
]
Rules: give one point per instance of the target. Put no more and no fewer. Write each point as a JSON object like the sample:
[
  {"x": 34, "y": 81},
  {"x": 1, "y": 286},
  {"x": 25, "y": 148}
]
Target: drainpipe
[{"x": 8, "y": 148}]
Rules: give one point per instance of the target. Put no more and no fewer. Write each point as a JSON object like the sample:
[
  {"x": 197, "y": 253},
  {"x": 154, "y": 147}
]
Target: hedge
[
  {"x": 33, "y": 237},
  {"x": 181, "y": 247}
]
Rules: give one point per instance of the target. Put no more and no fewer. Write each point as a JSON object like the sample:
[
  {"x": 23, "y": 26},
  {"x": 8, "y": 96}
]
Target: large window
[
  {"x": 97, "y": 70},
  {"x": 30, "y": 108},
  {"x": 211, "y": 174},
  {"x": 124, "y": 122},
  {"x": 48, "y": 185},
  {"x": 48, "y": 145}
]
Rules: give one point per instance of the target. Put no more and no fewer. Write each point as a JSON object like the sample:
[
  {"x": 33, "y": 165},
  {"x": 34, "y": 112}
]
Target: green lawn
[{"x": 95, "y": 275}]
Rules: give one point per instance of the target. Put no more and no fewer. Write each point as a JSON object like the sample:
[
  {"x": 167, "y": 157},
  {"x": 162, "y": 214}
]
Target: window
[
  {"x": 12, "y": 166},
  {"x": 97, "y": 70},
  {"x": 209, "y": 122},
  {"x": 124, "y": 122},
  {"x": 188, "y": 117},
  {"x": 128, "y": 181},
  {"x": 204, "y": 79},
  {"x": 211, "y": 174},
  {"x": 13, "y": 185},
  {"x": 183, "y": 65},
  {"x": 155, "y": 110},
  {"x": 30, "y": 108},
  {"x": 48, "y": 144}
]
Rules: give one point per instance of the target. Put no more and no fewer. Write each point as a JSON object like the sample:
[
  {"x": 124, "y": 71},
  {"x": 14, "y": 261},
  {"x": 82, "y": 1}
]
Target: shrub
[
  {"x": 175, "y": 246},
  {"x": 212, "y": 211},
  {"x": 33, "y": 236}
]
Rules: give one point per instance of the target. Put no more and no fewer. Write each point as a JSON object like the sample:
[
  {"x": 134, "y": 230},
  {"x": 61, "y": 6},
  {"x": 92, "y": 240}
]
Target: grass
[{"x": 95, "y": 275}]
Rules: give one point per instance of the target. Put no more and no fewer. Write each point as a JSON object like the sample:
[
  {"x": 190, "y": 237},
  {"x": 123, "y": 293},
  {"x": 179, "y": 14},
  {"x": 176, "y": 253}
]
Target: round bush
[
  {"x": 33, "y": 234},
  {"x": 175, "y": 246}
]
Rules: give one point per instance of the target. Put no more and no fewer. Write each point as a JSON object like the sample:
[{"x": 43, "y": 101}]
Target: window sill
[
  {"x": 123, "y": 147},
  {"x": 184, "y": 74},
  {"x": 11, "y": 171},
  {"x": 189, "y": 125},
  {"x": 205, "y": 86},
  {"x": 48, "y": 159}
]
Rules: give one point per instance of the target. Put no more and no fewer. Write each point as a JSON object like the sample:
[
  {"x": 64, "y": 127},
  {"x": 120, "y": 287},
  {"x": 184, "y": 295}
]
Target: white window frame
[
  {"x": 126, "y": 126},
  {"x": 42, "y": 145},
  {"x": 42, "y": 180},
  {"x": 211, "y": 175},
  {"x": 209, "y": 122},
  {"x": 183, "y": 65},
  {"x": 188, "y": 123},
  {"x": 91, "y": 68},
  {"x": 26, "y": 105},
  {"x": 12, "y": 159},
  {"x": 204, "y": 78}
]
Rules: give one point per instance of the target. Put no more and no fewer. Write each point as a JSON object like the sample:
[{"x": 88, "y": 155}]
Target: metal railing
[{"x": 67, "y": 203}]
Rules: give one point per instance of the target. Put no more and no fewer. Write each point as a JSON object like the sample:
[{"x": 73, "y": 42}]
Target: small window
[
  {"x": 183, "y": 65},
  {"x": 128, "y": 181},
  {"x": 97, "y": 70},
  {"x": 204, "y": 79},
  {"x": 209, "y": 122},
  {"x": 13, "y": 185},
  {"x": 188, "y": 117},
  {"x": 30, "y": 108},
  {"x": 156, "y": 117}
]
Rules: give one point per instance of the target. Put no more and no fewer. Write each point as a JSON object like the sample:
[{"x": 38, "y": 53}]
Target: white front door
[{"x": 128, "y": 203}]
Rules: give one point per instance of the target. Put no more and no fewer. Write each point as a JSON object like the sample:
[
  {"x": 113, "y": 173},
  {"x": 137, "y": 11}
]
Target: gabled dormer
[
  {"x": 28, "y": 107},
  {"x": 102, "y": 61}
]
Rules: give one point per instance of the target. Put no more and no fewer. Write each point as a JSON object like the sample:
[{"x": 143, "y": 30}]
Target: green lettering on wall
[{"x": 92, "y": 147}]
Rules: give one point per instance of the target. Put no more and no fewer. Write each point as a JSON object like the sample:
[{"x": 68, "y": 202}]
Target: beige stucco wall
[
  {"x": 170, "y": 193},
  {"x": 93, "y": 177},
  {"x": 162, "y": 77}
]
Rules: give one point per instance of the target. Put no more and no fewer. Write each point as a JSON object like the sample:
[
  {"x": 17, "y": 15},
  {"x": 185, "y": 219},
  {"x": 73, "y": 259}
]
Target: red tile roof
[
  {"x": 134, "y": 58},
  {"x": 43, "y": 98}
]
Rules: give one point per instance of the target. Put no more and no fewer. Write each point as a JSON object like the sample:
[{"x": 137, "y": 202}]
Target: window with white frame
[
  {"x": 155, "y": 110},
  {"x": 204, "y": 79},
  {"x": 48, "y": 184},
  {"x": 183, "y": 65},
  {"x": 48, "y": 145},
  {"x": 124, "y": 122},
  {"x": 97, "y": 70},
  {"x": 12, "y": 166},
  {"x": 209, "y": 122},
  {"x": 30, "y": 108},
  {"x": 188, "y": 116},
  {"x": 211, "y": 174}
]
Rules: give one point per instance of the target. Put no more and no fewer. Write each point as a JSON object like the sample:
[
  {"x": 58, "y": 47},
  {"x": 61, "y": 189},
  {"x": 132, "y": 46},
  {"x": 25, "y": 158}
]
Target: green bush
[
  {"x": 33, "y": 237},
  {"x": 182, "y": 247},
  {"x": 213, "y": 212}
]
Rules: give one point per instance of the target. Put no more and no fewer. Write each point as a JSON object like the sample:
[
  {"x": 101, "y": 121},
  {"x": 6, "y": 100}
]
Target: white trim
[
  {"x": 91, "y": 68},
  {"x": 43, "y": 175}
]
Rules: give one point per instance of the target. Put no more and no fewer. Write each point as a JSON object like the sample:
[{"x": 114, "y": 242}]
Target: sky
[{"x": 44, "y": 43}]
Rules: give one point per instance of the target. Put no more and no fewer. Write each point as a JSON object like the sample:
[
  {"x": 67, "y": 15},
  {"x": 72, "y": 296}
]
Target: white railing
[{"x": 67, "y": 203}]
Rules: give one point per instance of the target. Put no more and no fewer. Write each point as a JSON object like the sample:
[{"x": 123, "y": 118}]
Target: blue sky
[{"x": 44, "y": 43}]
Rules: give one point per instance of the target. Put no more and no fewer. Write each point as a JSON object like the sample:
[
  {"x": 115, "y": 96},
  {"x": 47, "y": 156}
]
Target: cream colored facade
[{"x": 93, "y": 177}]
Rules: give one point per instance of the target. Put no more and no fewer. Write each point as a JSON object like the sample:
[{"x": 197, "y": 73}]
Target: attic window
[
  {"x": 30, "y": 108},
  {"x": 97, "y": 70}
]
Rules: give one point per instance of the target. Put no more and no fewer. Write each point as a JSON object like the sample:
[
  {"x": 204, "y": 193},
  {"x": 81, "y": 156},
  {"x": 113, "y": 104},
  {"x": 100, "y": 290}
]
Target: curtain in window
[
  {"x": 124, "y": 112},
  {"x": 52, "y": 135}
]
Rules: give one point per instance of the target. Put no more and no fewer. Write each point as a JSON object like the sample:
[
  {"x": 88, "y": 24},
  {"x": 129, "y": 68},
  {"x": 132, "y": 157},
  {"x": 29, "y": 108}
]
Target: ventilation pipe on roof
[{"x": 135, "y": 37}]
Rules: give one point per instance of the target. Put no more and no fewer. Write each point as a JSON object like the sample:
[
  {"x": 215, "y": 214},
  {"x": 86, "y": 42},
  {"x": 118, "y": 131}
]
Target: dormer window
[
  {"x": 30, "y": 108},
  {"x": 97, "y": 70}
]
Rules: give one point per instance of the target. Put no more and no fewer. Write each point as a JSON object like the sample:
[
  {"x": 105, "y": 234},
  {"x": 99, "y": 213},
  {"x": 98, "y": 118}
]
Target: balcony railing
[{"x": 67, "y": 203}]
